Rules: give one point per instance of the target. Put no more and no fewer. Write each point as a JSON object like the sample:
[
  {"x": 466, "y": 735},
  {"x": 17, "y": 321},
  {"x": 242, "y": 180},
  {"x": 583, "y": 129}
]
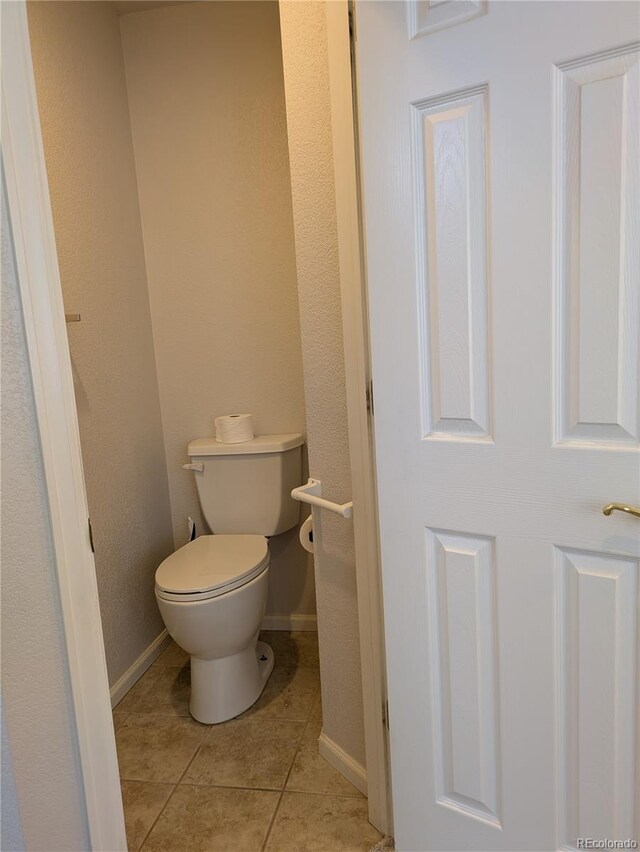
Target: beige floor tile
[
  {"x": 139, "y": 688},
  {"x": 289, "y": 694},
  {"x": 173, "y": 655},
  {"x": 312, "y": 774},
  {"x": 212, "y": 819},
  {"x": 246, "y": 753},
  {"x": 306, "y": 822},
  {"x": 298, "y": 648},
  {"x": 143, "y": 801},
  {"x": 168, "y": 693},
  {"x": 157, "y": 748},
  {"x": 316, "y": 710},
  {"x": 118, "y": 719}
]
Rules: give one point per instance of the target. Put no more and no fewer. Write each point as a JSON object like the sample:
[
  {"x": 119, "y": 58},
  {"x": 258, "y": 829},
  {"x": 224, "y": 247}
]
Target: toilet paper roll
[
  {"x": 306, "y": 535},
  {"x": 234, "y": 428}
]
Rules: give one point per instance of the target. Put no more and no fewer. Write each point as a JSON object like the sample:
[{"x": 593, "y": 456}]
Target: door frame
[
  {"x": 55, "y": 405},
  {"x": 343, "y": 104},
  {"x": 50, "y": 366}
]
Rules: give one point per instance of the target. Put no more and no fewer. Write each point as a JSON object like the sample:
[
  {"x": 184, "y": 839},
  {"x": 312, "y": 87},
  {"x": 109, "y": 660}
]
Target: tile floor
[{"x": 254, "y": 783}]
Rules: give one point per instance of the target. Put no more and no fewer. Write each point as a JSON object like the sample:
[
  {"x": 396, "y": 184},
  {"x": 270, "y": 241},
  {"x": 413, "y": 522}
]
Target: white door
[{"x": 500, "y": 176}]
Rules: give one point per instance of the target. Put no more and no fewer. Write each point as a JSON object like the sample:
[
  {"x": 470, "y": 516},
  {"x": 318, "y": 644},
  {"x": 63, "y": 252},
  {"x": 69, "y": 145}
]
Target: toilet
[{"x": 212, "y": 592}]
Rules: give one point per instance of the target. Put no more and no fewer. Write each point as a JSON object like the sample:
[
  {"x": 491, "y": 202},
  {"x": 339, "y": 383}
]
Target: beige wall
[
  {"x": 208, "y": 119},
  {"x": 37, "y": 714},
  {"x": 11, "y": 836},
  {"x": 82, "y": 99},
  {"x": 306, "y": 74}
]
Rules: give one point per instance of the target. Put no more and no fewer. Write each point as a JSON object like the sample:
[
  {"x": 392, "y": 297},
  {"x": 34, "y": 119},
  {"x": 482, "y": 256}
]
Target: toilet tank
[{"x": 246, "y": 488}]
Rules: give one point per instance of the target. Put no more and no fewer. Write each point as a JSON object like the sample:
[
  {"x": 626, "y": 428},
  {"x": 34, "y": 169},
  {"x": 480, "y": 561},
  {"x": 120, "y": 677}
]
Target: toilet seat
[{"x": 211, "y": 565}]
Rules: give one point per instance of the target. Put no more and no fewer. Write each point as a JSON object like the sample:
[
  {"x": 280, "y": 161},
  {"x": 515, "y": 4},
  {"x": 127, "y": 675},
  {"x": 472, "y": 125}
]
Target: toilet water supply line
[{"x": 310, "y": 493}]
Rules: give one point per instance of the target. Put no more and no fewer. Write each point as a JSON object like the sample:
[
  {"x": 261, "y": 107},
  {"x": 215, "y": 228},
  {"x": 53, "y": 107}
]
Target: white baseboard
[
  {"x": 139, "y": 667},
  {"x": 343, "y": 762},
  {"x": 290, "y": 622}
]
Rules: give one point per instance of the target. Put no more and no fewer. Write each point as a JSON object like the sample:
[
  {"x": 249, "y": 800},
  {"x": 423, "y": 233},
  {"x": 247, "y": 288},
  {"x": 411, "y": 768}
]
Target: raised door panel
[
  {"x": 597, "y": 187},
  {"x": 428, "y": 16},
  {"x": 452, "y": 264},
  {"x": 598, "y": 712},
  {"x": 462, "y": 619}
]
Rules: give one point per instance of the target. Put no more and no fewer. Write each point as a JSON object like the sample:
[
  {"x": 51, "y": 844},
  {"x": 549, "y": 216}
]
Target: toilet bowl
[{"x": 212, "y": 595}]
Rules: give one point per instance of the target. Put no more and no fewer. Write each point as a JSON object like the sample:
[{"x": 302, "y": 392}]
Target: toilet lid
[{"x": 213, "y": 563}]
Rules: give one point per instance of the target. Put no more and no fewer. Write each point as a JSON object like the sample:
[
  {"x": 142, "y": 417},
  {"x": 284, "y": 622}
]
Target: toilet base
[
  {"x": 224, "y": 688},
  {"x": 266, "y": 659}
]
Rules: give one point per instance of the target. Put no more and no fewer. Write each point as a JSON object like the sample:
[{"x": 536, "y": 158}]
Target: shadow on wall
[{"x": 291, "y": 569}]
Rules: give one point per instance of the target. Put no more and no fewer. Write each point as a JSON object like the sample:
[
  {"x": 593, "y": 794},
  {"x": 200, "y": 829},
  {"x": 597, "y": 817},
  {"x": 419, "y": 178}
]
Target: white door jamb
[
  {"x": 41, "y": 296},
  {"x": 357, "y": 376}
]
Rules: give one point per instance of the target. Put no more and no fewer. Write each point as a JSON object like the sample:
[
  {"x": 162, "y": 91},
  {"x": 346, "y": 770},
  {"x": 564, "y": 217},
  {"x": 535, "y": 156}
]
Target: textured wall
[
  {"x": 35, "y": 682},
  {"x": 11, "y": 837},
  {"x": 208, "y": 119},
  {"x": 306, "y": 74},
  {"x": 87, "y": 139}
]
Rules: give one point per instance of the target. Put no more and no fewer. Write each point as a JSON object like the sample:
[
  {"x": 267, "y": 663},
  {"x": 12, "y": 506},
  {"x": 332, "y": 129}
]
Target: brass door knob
[{"x": 621, "y": 507}]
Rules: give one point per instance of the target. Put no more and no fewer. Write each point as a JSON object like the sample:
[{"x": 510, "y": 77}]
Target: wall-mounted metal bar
[{"x": 310, "y": 493}]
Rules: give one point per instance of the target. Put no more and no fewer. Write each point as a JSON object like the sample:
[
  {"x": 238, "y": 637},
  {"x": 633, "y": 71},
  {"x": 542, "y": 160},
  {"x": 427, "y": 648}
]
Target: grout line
[
  {"x": 178, "y": 782},
  {"x": 273, "y": 819},
  {"x": 194, "y": 755},
  {"x": 161, "y": 811},
  {"x": 229, "y": 786},
  {"x": 286, "y": 780},
  {"x": 325, "y": 795}
]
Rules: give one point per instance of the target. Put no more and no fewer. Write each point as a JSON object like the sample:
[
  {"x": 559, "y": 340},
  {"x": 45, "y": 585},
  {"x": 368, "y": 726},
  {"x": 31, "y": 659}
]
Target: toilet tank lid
[{"x": 259, "y": 444}]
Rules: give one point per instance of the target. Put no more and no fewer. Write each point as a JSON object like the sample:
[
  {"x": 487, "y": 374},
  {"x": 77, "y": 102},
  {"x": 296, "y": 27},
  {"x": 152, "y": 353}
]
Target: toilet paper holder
[{"x": 311, "y": 494}]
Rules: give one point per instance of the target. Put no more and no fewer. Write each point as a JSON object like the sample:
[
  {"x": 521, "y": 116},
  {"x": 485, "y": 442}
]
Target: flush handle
[{"x": 195, "y": 466}]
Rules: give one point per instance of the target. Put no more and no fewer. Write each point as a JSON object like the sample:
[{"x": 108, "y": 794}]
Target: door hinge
[
  {"x": 93, "y": 550},
  {"x": 369, "y": 396},
  {"x": 385, "y": 713}
]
